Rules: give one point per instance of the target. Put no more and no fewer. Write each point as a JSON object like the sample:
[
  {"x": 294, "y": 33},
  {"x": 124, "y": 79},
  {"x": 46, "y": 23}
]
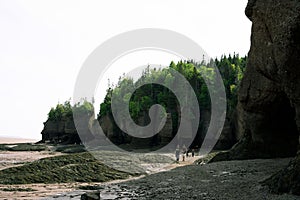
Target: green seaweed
[
  {"x": 81, "y": 167},
  {"x": 23, "y": 147},
  {"x": 17, "y": 189}
]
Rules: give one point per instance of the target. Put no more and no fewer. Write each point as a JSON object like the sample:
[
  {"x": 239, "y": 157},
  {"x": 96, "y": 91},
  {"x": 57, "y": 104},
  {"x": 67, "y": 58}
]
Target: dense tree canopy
[
  {"x": 66, "y": 110},
  {"x": 230, "y": 67}
]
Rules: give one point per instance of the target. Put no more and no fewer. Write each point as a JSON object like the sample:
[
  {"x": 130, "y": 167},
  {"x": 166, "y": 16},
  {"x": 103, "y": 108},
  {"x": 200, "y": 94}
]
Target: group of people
[{"x": 184, "y": 152}]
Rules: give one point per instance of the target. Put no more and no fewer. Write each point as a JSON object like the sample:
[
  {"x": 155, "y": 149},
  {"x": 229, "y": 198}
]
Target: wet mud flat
[{"x": 221, "y": 180}]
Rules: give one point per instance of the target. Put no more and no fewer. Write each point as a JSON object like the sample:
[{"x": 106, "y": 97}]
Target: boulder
[
  {"x": 286, "y": 180},
  {"x": 90, "y": 196}
]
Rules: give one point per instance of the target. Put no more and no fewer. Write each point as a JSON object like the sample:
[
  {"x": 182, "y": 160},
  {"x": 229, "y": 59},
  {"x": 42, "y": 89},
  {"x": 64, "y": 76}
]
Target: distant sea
[{"x": 10, "y": 140}]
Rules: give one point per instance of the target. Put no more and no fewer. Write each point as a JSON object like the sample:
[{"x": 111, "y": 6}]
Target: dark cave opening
[{"x": 277, "y": 133}]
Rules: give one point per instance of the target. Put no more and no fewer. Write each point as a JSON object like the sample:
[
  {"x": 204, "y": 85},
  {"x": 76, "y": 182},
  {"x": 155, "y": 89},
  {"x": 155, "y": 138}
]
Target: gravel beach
[{"x": 238, "y": 180}]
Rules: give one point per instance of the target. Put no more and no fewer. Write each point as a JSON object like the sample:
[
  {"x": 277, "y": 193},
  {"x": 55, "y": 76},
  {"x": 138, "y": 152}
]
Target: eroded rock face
[
  {"x": 62, "y": 131},
  {"x": 269, "y": 96},
  {"x": 269, "y": 92}
]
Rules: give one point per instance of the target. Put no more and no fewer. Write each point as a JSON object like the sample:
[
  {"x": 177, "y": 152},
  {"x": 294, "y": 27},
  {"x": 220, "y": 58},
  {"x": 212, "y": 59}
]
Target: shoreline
[
  {"x": 72, "y": 189},
  {"x": 12, "y": 140},
  {"x": 235, "y": 179}
]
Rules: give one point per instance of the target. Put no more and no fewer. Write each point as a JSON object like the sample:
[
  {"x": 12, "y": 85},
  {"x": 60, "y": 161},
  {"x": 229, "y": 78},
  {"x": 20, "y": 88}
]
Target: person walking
[
  {"x": 184, "y": 150},
  {"x": 193, "y": 152},
  {"x": 177, "y": 153},
  {"x": 187, "y": 153}
]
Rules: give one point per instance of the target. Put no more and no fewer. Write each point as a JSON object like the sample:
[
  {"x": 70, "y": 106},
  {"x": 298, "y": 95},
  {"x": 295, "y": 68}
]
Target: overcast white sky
[{"x": 44, "y": 43}]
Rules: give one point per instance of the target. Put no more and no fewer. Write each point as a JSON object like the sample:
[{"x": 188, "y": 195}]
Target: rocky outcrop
[
  {"x": 107, "y": 126},
  {"x": 160, "y": 139},
  {"x": 228, "y": 135},
  {"x": 227, "y": 139},
  {"x": 269, "y": 95},
  {"x": 63, "y": 131},
  {"x": 114, "y": 134},
  {"x": 286, "y": 180}
]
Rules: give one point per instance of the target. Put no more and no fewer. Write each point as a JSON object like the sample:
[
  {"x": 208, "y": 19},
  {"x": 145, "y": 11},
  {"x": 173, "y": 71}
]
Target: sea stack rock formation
[
  {"x": 62, "y": 131},
  {"x": 269, "y": 97}
]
